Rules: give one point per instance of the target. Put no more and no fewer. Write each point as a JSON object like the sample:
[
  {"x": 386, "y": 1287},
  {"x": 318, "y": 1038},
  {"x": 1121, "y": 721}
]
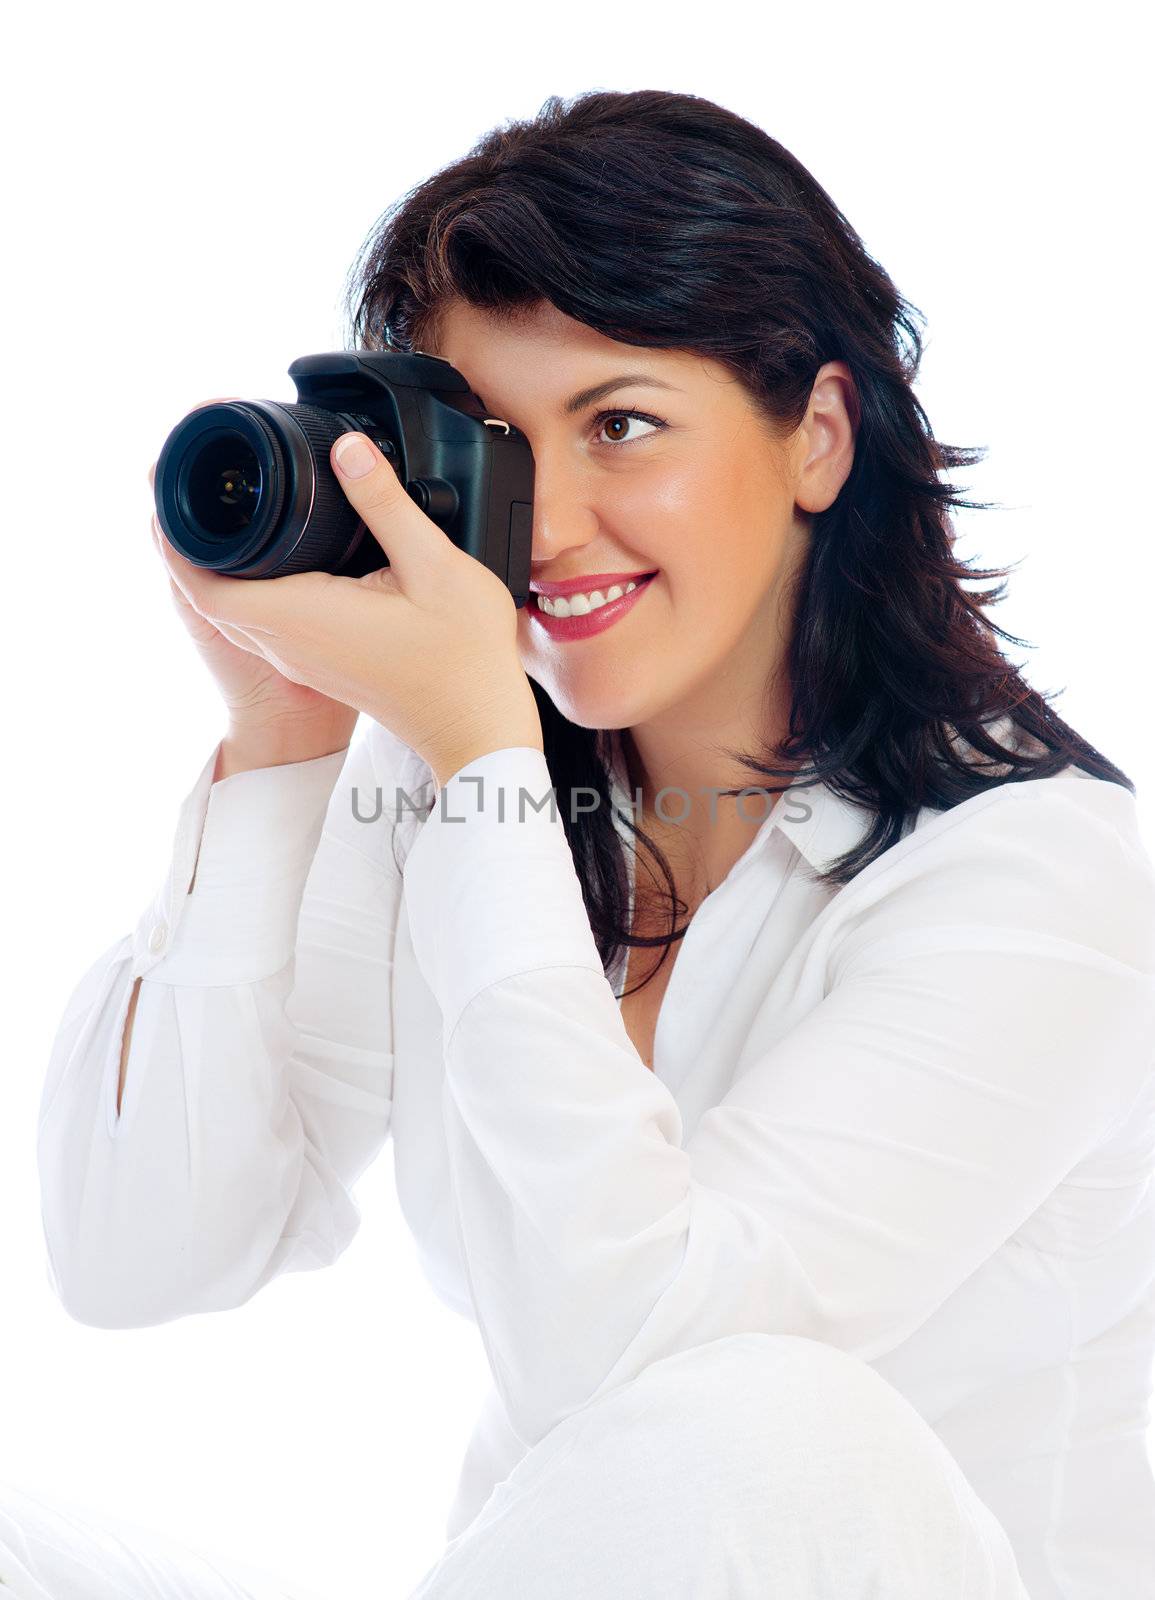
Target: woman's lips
[{"x": 597, "y": 621}]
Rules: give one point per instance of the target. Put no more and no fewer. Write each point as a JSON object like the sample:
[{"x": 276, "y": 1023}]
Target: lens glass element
[{"x": 223, "y": 485}]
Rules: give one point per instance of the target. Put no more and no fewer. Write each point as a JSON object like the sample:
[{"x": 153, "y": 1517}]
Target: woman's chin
[{"x": 593, "y": 711}]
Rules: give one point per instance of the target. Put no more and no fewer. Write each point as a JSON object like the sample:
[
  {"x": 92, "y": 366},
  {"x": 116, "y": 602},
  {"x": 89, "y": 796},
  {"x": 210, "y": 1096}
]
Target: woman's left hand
[{"x": 427, "y": 646}]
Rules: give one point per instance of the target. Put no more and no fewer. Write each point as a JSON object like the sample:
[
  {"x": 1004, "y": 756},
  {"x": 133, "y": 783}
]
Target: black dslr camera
[{"x": 244, "y": 487}]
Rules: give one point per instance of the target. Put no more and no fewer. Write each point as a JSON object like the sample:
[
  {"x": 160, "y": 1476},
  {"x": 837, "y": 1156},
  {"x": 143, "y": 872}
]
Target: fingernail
[{"x": 354, "y": 455}]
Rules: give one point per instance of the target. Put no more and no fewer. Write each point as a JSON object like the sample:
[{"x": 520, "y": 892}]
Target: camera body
[{"x": 245, "y": 488}]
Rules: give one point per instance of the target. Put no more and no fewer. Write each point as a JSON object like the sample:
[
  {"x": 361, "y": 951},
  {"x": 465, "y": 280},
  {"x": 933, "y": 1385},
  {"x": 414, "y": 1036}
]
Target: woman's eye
[{"x": 617, "y": 434}]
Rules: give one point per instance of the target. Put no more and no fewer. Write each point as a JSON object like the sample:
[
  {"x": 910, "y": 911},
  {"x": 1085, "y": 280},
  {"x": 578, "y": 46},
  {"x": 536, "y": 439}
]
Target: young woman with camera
[{"x": 817, "y": 1261}]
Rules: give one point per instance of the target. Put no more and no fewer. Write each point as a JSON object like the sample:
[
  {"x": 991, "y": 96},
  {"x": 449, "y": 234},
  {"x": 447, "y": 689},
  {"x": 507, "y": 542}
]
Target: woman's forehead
[{"x": 543, "y": 346}]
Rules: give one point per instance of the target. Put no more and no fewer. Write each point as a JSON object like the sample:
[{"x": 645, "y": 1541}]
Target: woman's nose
[{"x": 563, "y": 520}]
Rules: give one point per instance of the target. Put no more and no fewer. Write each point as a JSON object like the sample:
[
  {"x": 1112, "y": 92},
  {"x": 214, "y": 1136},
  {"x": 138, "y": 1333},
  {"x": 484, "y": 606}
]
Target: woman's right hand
[{"x": 263, "y": 706}]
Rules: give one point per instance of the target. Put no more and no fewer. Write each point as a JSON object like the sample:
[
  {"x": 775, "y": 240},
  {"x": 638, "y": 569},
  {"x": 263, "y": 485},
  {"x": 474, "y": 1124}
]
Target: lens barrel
[{"x": 245, "y": 488}]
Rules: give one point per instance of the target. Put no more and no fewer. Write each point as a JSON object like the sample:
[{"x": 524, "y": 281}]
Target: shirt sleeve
[
  {"x": 259, "y": 1079},
  {"x": 987, "y": 1017}
]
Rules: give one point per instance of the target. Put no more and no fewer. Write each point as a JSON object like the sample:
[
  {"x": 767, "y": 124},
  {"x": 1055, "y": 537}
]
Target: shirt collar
[{"x": 820, "y": 823}]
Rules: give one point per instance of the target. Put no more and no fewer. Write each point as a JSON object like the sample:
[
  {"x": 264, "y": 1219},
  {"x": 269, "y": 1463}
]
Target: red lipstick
[{"x": 604, "y": 616}]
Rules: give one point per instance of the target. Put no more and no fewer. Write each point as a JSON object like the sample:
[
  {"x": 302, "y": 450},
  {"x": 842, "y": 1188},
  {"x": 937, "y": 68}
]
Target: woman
[{"x": 808, "y": 1227}]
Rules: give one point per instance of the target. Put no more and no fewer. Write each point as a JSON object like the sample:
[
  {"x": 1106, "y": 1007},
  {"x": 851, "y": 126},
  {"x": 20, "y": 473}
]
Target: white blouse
[{"x": 914, "y": 1118}]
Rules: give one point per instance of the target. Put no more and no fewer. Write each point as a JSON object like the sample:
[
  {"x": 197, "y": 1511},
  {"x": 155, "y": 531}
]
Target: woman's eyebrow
[{"x": 584, "y": 397}]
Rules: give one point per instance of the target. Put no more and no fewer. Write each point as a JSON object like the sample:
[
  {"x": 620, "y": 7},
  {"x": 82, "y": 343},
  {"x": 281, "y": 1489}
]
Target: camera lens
[
  {"x": 224, "y": 486},
  {"x": 245, "y": 487}
]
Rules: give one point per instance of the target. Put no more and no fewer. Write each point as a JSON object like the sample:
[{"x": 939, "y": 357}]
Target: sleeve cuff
[
  {"x": 490, "y": 885},
  {"x": 257, "y": 834}
]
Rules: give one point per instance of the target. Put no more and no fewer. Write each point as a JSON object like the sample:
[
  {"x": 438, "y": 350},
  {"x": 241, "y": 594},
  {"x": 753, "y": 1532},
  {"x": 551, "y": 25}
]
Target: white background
[{"x": 187, "y": 187}]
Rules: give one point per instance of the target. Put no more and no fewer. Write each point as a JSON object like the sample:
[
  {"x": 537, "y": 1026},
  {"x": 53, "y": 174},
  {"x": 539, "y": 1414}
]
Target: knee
[
  {"x": 783, "y": 1401},
  {"x": 745, "y": 1371}
]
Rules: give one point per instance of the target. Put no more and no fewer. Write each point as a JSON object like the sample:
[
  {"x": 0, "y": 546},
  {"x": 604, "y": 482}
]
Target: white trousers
[
  {"x": 758, "y": 1467},
  {"x": 58, "y": 1551}
]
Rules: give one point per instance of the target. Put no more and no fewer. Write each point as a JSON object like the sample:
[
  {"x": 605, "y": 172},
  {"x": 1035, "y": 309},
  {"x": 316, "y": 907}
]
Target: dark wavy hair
[{"x": 664, "y": 220}]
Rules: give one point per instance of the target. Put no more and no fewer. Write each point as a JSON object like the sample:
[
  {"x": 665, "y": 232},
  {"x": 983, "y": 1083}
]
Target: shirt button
[{"x": 158, "y": 938}]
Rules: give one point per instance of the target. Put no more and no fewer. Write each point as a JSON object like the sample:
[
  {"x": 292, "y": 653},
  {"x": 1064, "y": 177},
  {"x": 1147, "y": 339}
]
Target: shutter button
[{"x": 158, "y": 937}]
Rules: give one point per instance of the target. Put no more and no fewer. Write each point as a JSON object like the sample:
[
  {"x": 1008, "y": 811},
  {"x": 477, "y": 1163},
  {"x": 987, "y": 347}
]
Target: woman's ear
[{"x": 825, "y": 439}]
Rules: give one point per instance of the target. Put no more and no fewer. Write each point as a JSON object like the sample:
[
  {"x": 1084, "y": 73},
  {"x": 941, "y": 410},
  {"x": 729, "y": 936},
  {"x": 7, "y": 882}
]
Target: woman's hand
[
  {"x": 426, "y": 646},
  {"x": 262, "y": 704}
]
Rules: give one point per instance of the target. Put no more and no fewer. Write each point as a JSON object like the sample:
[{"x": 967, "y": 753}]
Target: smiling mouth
[
  {"x": 642, "y": 578},
  {"x": 588, "y": 624}
]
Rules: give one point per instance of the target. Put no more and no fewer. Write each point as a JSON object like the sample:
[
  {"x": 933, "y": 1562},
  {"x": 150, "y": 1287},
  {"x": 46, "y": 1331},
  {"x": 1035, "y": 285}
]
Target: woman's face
[{"x": 695, "y": 490}]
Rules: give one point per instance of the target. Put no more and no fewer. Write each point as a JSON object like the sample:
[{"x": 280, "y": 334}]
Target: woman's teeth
[{"x": 579, "y": 605}]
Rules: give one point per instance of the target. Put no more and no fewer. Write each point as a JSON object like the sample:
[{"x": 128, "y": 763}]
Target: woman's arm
[
  {"x": 235, "y": 754},
  {"x": 989, "y": 1015},
  {"x": 257, "y": 1082}
]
